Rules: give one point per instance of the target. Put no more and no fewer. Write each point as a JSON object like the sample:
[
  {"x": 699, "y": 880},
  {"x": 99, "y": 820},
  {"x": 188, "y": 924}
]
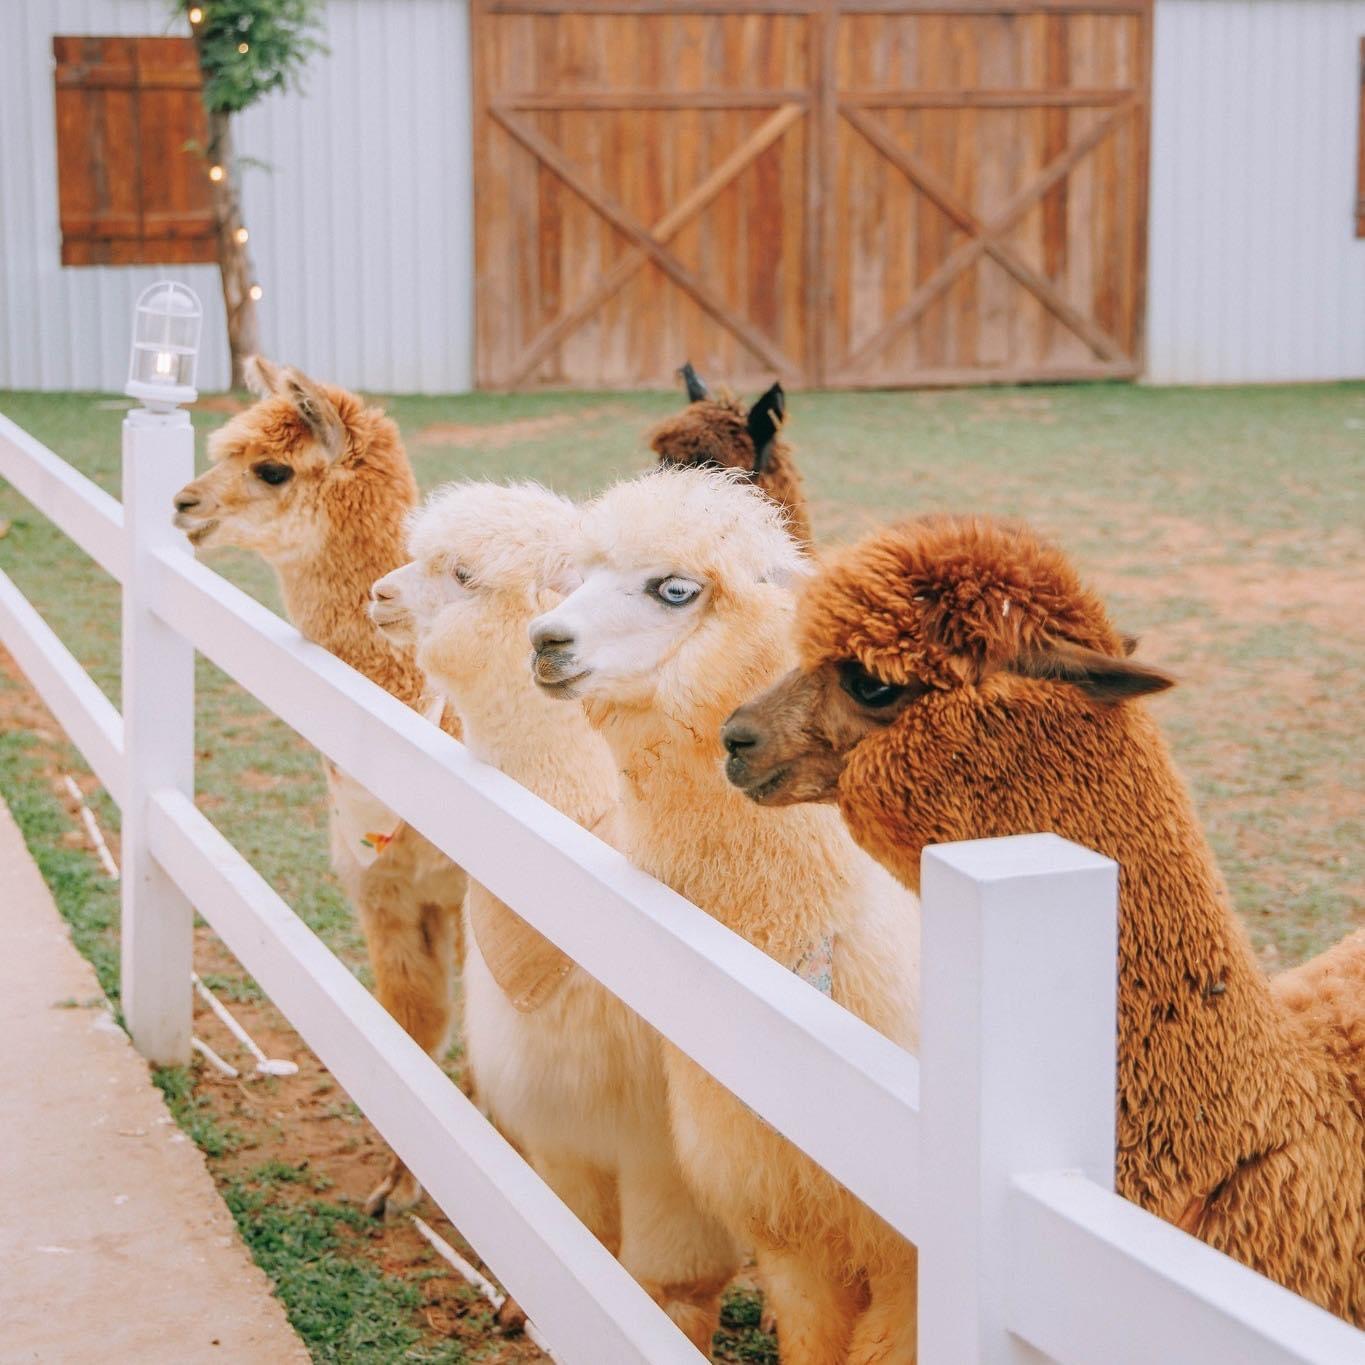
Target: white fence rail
[{"x": 1001, "y": 1171}]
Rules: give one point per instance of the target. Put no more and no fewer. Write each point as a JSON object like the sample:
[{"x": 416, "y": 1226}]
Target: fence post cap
[{"x": 1015, "y": 856}]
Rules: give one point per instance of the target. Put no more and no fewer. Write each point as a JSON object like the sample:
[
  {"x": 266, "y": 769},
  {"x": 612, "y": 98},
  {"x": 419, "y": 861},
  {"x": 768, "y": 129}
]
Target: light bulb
[
  {"x": 255, "y": 291},
  {"x": 196, "y": 14},
  {"x": 164, "y": 365},
  {"x": 215, "y": 173},
  {"x": 241, "y": 235}
]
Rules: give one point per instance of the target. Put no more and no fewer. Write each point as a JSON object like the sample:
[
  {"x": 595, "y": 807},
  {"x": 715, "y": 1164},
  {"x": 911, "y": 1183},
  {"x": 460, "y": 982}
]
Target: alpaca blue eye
[{"x": 675, "y": 592}]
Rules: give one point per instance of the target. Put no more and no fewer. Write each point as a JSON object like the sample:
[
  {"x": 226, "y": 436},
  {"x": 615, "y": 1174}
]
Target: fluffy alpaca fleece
[
  {"x": 657, "y": 681},
  {"x": 718, "y": 432},
  {"x": 319, "y": 485},
  {"x": 1010, "y": 708},
  {"x": 572, "y": 1075}
]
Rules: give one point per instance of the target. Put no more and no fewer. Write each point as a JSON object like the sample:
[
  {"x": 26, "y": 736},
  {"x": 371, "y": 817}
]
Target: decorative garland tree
[{"x": 247, "y": 49}]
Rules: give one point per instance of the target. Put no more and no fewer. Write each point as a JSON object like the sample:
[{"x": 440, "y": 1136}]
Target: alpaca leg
[
  {"x": 887, "y": 1332},
  {"x": 591, "y": 1196},
  {"x": 680, "y": 1255},
  {"x": 412, "y": 952},
  {"x": 815, "y": 1312},
  {"x": 589, "y": 1192}
]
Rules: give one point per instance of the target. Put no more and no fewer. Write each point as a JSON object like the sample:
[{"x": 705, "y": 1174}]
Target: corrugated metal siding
[
  {"x": 1254, "y": 271},
  {"x": 362, "y": 231}
]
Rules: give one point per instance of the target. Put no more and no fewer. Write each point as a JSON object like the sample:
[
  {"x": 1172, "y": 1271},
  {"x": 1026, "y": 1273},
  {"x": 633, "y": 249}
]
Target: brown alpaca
[
  {"x": 958, "y": 682},
  {"x": 718, "y": 433},
  {"x": 319, "y": 486}
]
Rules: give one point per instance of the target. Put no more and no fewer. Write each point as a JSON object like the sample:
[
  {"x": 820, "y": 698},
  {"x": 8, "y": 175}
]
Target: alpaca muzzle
[{"x": 555, "y": 669}]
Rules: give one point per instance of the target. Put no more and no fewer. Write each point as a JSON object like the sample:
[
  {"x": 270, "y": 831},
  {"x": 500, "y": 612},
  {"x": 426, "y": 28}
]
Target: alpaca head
[
  {"x": 955, "y": 632},
  {"x": 304, "y": 459},
  {"x": 683, "y": 604},
  {"x": 717, "y": 433},
  {"x": 486, "y": 558}
]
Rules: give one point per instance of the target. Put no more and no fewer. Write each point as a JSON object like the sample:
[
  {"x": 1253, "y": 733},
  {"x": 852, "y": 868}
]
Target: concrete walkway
[{"x": 114, "y": 1244}]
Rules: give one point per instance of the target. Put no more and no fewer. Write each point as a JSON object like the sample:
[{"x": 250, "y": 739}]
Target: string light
[
  {"x": 241, "y": 235},
  {"x": 196, "y": 15},
  {"x": 243, "y": 48},
  {"x": 215, "y": 173},
  {"x": 256, "y": 291}
]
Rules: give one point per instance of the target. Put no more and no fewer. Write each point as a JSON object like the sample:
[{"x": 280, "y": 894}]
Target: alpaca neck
[
  {"x": 546, "y": 745},
  {"x": 1205, "y": 1055},
  {"x": 327, "y": 594},
  {"x": 688, "y": 826}
]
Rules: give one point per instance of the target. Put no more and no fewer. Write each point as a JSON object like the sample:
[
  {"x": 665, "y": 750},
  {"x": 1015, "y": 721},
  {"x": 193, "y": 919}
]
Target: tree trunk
[{"x": 234, "y": 261}]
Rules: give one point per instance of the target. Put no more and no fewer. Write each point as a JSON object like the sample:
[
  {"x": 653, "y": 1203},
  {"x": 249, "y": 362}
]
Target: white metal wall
[
  {"x": 1255, "y": 272},
  {"x": 362, "y": 233}
]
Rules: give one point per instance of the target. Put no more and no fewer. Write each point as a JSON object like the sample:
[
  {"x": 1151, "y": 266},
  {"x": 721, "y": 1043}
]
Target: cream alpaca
[
  {"x": 564, "y": 1068},
  {"x": 679, "y": 617},
  {"x": 319, "y": 485}
]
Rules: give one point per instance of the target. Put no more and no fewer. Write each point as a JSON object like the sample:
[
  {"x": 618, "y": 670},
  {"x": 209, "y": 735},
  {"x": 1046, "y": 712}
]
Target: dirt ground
[{"x": 308, "y": 1123}]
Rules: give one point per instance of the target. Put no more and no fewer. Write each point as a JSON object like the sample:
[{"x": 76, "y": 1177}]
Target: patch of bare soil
[
  {"x": 497, "y": 435},
  {"x": 308, "y": 1121}
]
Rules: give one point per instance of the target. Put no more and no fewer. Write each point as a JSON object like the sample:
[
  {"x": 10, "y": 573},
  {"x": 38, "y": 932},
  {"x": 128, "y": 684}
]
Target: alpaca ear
[
  {"x": 262, "y": 377},
  {"x": 317, "y": 410},
  {"x": 696, "y": 390},
  {"x": 1100, "y": 676},
  {"x": 765, "y": 420}
]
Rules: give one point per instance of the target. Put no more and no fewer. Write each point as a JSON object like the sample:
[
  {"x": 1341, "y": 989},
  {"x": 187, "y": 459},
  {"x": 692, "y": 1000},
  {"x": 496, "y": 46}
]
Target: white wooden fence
[{"x": 993, "y": 1151}]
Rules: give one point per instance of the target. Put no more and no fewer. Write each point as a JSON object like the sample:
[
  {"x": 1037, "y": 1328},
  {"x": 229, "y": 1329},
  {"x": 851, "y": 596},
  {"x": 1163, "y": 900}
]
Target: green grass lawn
[{"x": 1227, "y": 527}]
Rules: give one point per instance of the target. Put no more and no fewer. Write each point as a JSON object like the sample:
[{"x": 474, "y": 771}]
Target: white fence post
[
  {"x": 158, "y": 740},
  {"x": 1017, "y": 1064}
]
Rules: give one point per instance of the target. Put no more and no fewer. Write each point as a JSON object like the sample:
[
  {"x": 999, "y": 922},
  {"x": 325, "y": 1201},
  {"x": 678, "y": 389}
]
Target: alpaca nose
[
  {"x": 185, "y": 501},
  {"x": 550, "y": 636},
  {"x": 739, "y": 737},
  {"x": 380, "y": 593}
]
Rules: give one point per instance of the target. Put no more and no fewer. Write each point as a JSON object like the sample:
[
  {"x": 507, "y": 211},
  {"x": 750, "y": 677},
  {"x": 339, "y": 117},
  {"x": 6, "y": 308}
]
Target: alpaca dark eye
[
  {"x": 461, "y": 575},
  {"x": 675, "y": 592},
  {"x": 273, "y": 474},
  {"x": 865, "y": 689}
]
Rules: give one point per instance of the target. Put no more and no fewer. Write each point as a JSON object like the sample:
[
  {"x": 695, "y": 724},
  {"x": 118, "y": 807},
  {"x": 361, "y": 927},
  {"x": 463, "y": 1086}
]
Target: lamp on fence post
[{"x": 158, "y": 670}]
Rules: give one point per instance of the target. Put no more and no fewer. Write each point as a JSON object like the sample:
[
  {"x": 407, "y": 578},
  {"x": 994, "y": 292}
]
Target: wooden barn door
[{"x": 867, "y": 193}]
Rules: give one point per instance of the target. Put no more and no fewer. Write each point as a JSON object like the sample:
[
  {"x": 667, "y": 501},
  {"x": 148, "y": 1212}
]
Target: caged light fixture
[{"x": 165, "y": 349}]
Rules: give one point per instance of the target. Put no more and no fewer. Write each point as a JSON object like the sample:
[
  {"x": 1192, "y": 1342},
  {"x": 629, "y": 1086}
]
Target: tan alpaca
[
  {"x": 677, "y": 620},
  {"x": 319, "y": 485},
  {"x": 566, "y": 1070},
  {"x": 958, "y": 681}
]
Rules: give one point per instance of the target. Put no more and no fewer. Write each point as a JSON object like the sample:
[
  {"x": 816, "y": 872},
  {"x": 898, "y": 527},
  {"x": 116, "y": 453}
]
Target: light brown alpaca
[
  {"x": 717, "y": 433},
  {"x": 677, "y": 619},
  {"x": 958, "y": 682},
  {"x": 565, "y": 1069},
  {"x": 319, "y": 486}
]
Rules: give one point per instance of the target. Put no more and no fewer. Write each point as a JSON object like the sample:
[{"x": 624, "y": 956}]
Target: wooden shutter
[{"x": 129, "y": 191}]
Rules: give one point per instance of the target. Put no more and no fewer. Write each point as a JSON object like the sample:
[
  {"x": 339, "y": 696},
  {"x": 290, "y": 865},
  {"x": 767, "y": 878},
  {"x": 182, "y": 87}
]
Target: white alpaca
[
  {"x": 566, "y": 1070},
  {"x": 679, "y": 618}
]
